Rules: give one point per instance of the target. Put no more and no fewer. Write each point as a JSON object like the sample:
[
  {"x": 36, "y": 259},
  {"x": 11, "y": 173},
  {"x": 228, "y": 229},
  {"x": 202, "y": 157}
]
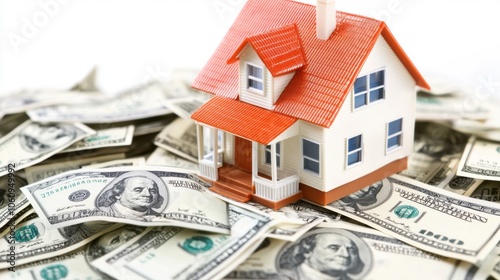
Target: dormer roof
[{"x": 280, "y": 49}]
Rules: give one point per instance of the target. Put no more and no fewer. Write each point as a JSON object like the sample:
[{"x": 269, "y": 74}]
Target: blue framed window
[
  {"x": 369, "y": 88},
  {"x": 310, "y": 156},
  {"x": 278, "y": 154},
  {"x": 255, "y": 77},
  {"x": 394, "y": 134},
  {"x": 354, "y": 150}
]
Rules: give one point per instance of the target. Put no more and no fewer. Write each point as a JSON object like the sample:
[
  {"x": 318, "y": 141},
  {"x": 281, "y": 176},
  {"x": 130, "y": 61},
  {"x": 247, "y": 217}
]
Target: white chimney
[{"x": 325, "y": 18}]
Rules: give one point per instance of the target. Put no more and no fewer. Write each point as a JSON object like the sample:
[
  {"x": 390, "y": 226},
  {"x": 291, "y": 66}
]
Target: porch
[{"x": 238, "y": 184}]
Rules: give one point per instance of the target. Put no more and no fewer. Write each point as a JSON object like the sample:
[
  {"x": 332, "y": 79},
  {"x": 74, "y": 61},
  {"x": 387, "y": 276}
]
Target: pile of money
[{"x": 98, "y": 186}]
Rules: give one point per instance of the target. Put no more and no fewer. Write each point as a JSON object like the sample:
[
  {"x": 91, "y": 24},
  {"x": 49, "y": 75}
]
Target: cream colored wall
[
  {"x": 279, "y": 84},
  {"x": 228, "y": 148},
  {"x": 273, "y": 86},
  {"x": 291, "y": 155},
  {"x": 371, "y": 121}
]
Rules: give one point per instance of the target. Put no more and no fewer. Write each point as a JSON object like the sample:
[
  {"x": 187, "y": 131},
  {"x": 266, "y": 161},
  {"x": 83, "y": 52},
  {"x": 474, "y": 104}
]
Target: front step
[
  {"x": 236, "y": 177},
  {"x": 237, "y": 193}
]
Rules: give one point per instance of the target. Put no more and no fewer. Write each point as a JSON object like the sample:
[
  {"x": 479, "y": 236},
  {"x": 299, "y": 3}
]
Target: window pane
[
  {"x": 354, "y": 143},
  {"x": 255, "y": 71},
  {"x": 311, "y": 165},
  {"x": 394, "y": 141},
  {"x": 354, "y": 158},
  {"x": 360, "y": 84},
  {"x": 376, "y": 94},
  {"x": 377, "y": 79},
  {"x": 360, "y": 100},
  {"x": 395, "y": 126},
  {"x": 255, "y": 84},
  {"x": 310, "y": 149},
  {"x": 268, "y": 154}
]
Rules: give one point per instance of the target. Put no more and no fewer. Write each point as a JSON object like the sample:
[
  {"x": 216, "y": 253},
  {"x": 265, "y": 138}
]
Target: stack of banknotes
[{"x": 67, "y": 157}]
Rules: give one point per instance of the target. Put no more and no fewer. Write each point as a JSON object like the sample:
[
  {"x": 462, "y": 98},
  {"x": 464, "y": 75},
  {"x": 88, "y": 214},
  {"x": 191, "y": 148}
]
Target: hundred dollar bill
[
  {"x": 152, "y": 125},
  {"x": 459, "y": 184},
  {"x": 110, "y": 137},
  {"x": 10, "y": 122},
  {"x": 190, "y": 254},
  {"x": 179, "y": 137},
  {"x": 118, "y": 163},
  {"x": 342, "y": 251},
  {"x": 87, "y": 83},
  {"x": 32, "y": 240},
  {"x": 18, "y": 218},
  {"x": 76, "y": 264},
  {"x": 140, "y": 195},
  {"x": 184, "y": 107},
  {"x": 448, "y": 108},
  {"x": 496, "y": 269},
  {"x": 492, "y": 123},
  {"x": 29, "y": 99},
  {"x": 481, "y": 160},
  {"x": 488, "y": 190},
  {"x": 291, "y": 221},
  {"x": 295, "y": 219},
  {"x": 436, "y": 151},
  {"x": 165, "y": 158},
  {"x": 137, "y": 103},
  {"x": 414, "y": 213},
  {"x": 41, "y": 171},
  {"x": 12, "y": 200},
  {"x": 31, "y": 142}
]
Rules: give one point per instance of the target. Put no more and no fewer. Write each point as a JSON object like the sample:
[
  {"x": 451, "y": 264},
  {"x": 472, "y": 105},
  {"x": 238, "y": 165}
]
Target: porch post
[
  {"x": 199, "y": 132},
  {"x": 274, "y": 169},
  {"x": 255, "y": 160},
  {"x": 215, "y": 138}
]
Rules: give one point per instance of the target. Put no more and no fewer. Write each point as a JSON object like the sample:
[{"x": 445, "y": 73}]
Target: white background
[{"x": 54, "y": 43}]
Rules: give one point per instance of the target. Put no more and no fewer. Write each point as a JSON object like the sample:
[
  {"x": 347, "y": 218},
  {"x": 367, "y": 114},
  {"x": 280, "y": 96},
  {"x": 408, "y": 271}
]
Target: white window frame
[
  {"x": 278, "y": 155},
  {"x": 312, "y": 159},
  {"x": 367, "y": 91},
  {"x": 347, "y": 152},
  {"x": 387, "y": 137},
  {"x": 257, "y": 79}
]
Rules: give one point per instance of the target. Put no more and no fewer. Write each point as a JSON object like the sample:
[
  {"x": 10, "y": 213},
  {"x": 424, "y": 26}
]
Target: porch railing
[
  {"x": 208, "y": 170},
  {"x": 282, "y": 189}
]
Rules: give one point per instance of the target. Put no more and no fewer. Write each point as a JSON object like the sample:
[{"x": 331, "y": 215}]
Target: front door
[{"x": 243, "y": 154}]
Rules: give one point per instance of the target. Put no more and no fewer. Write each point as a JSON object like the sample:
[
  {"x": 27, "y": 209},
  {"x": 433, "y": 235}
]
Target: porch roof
[{"x": 243, "y": 119}]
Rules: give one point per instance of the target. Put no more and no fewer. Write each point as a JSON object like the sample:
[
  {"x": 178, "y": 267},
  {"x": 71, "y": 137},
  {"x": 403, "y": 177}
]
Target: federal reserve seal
[{"x": 460, "y": 183}]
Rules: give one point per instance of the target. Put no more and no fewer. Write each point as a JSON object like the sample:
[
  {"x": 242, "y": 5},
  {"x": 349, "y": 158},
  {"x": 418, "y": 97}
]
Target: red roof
[
  {"x": 256, "y": 124},
  {"x": 317, "y": 90},
  {"x": 280, "y": 49}
]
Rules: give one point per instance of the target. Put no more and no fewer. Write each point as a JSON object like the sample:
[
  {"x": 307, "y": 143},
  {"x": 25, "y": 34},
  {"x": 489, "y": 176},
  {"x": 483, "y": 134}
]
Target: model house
[{"x": 309, "y": 102}]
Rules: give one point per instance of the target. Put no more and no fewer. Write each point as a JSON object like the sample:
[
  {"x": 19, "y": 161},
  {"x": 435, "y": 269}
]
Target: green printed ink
[
  {"x": 197, "y": 244},
  {"x": 406, "y": 211},
  {"x": 26, "y": 233},
  {"x": 54, "y": 272}
]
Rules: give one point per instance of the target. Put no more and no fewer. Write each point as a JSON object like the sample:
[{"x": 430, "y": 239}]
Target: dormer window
[
  {"x": 369, "y": 89},
  {"x": 255, "y": 78}
]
